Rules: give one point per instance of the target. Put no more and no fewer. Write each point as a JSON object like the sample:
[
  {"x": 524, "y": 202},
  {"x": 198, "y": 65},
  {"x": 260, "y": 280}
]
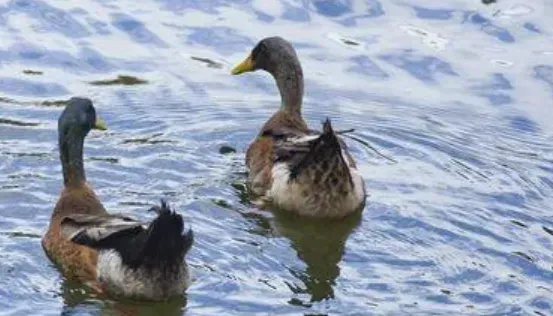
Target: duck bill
[
  {"x": 100, "y": 124},
  {"x": 244, "y": 66}
]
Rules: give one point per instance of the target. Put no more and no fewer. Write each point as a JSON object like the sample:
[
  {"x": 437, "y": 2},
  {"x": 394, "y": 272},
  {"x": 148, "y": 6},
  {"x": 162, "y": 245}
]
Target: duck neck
[
  {"x": 71, "y": 156},
  {"x": 289, "y": 79}
]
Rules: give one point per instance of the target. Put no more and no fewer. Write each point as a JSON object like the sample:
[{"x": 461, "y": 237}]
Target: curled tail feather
[
  {"x": 322, "y": 151},
  {"x": 165, "y": 243},
  {"x": 161, "y": 245}
]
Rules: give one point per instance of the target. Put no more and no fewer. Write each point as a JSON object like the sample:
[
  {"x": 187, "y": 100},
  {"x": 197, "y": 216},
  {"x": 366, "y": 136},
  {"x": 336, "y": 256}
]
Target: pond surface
[{"x": 452, "y": 105}]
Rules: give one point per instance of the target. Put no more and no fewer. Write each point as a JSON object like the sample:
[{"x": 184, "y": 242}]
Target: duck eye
[{"x": 259, "y": 50}]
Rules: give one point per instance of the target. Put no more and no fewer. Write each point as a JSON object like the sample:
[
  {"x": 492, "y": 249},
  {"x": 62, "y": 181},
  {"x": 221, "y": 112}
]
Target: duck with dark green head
[
  {"x": 111, "y": 253},
  {"x": 300, "y": 170}
]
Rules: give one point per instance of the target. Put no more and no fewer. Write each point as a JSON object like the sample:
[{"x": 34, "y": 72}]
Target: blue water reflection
[
  {"x": 451, "y": 105},
  {"x": 433, "y": 14},
  {"x": 51, "y": 19},
  {"x": 136, "y": 30},
  {"x": 423, "y": 68}
]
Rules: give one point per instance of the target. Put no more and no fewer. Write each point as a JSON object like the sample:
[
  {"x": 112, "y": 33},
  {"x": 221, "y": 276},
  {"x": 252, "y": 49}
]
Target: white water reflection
[{"x": 451, "y": 103}]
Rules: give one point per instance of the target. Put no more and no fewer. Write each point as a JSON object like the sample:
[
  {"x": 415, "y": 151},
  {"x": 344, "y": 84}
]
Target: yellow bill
[
  {"x": 100, "y": 124},
  {"x": 245, "y": 66}
]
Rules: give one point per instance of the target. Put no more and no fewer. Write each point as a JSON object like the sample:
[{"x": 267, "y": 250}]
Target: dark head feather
[
  {"x": 78, "y": 117},
  {"x": 271, "y": 52}
]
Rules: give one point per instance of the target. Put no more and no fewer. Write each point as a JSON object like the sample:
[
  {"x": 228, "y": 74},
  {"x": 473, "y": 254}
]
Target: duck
[
  {"x": 297, "y": 169},
  {"x": 112, "y": 254}
]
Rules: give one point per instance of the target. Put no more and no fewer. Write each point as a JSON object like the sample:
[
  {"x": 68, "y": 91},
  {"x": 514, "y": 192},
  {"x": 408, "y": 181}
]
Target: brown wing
[
  {"x": 74, "y": 260},
  {"x": 259, "y": 160},
  {"x": 260, "y": 153},
  {"x": 97, "y": 227},
  {"x": 300, "y": 150}
]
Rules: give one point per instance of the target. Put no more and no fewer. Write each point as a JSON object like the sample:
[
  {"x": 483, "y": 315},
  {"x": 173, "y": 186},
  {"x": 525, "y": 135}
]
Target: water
[{"x": 452, "y": 106}]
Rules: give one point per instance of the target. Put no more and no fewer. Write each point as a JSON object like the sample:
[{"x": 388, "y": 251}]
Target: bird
[
  {"x": 294, "y": 168},
  {"x": 113, "y": 254}
]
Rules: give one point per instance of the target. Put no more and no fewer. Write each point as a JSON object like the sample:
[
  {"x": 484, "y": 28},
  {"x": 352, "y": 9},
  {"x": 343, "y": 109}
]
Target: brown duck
[
  {"x": 297, "y": 169},
  {"x": 111, "y": 253}
]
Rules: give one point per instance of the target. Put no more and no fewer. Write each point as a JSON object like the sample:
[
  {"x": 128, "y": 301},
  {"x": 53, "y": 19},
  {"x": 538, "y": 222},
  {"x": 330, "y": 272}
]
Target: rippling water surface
[{"x": 452, "y": 106}]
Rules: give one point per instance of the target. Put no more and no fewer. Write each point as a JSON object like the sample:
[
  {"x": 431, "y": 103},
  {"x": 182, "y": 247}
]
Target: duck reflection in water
[
  {"x": 79, "y": 300},
  {"x": 319, "y": 243}
]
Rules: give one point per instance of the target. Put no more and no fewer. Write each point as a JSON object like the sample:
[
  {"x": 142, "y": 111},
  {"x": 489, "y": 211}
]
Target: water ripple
[{"x": 450, "y": 106}]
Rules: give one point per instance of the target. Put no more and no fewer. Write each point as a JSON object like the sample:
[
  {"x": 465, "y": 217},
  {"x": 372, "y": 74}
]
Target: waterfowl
[
  {"x": 111, "y": 253},
  {"x": 297, "y": 169}
]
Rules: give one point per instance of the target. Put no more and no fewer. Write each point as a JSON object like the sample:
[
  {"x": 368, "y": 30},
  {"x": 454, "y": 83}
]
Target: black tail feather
[
  {"x": 327, "y": 127},
  {"x": 162, "y": 245},
  {"x": 160, "y": 209},
  {"x": 165, "y": 243}
]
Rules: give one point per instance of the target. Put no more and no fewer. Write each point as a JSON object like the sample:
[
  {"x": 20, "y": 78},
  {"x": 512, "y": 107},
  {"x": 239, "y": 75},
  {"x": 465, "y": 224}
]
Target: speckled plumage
[{"x": 299, "y": 170}]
